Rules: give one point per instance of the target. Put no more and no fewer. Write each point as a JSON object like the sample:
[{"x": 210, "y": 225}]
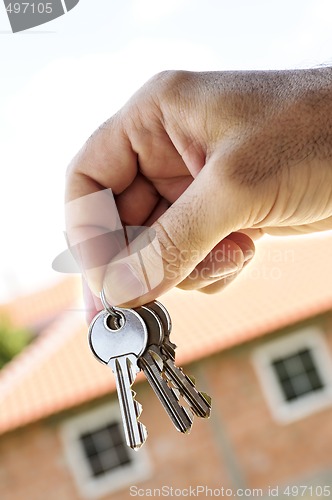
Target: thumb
[{"x": 165, "y": 254}]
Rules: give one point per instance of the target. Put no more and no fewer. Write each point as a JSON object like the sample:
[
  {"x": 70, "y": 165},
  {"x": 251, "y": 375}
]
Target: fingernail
[
  {"x": 248, "y": 253},
  {"x": 245, "y": 243},
  {"x": 123, "y": 284}
]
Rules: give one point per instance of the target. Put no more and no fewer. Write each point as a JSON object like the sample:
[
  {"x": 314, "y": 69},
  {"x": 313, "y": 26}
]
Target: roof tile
[{"x": 39, "y": 308}]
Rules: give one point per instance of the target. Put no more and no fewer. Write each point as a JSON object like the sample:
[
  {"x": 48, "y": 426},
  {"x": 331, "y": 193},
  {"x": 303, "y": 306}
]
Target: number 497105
[{"x": 29, "y": 8}]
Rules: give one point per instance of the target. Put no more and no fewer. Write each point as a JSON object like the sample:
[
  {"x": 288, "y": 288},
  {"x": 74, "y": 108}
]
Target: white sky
[{"x": 59, "y": 81}]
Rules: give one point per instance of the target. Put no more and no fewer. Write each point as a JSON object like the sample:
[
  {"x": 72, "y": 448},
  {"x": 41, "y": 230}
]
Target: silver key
[
  {"x": 151, "y": 363},
  {"x": 166, "y": 321},
  {"x": 199, "y": 402},
  {"x": 119, "y": 344}
]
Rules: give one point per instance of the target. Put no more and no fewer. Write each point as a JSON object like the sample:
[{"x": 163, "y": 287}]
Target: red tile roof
[
  {"x": 289, "y": 280},
  {"x": 38, "y": 308}
]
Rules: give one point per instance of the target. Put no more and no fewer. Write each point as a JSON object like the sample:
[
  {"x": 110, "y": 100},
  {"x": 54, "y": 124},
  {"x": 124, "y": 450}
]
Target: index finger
[{"x": 105, "y": 165}]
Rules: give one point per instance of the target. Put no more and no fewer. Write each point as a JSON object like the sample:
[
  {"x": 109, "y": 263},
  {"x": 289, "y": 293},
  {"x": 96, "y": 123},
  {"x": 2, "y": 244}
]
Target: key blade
[
  {"x": 199, "y": 402},
  {"x": 125, "y": 369},
  {"x": 151, "y": 364},
  {"x": 169, "y": 348},
  {"x": 207, "y": 398}
]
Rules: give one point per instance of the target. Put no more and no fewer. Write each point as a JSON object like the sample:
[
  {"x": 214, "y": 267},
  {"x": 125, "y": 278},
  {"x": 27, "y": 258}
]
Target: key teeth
[
  {"x": 191, "y": 416},
  {"x": 207, "y": 399},
  {"x": 142, "y": 428},
  {"x": 138, "y": 406},
  {"x": 198, "y": 411},
  {"x": 181, "y": 416},
  {"x": 143, "y": 433},
  {"x": 176, "y": 392},
  {"x": 169, "y": 347},
  {"x": 170, "y": 344},
  {"x": 138, "y": 410},
  {"x": 203, "y": 395}
]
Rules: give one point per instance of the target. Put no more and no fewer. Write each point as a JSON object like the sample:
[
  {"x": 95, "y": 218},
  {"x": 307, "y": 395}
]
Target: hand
[{"x": 206, "y": 160}]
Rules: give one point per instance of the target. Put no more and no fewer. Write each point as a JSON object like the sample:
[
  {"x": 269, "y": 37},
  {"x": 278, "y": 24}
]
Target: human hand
[{"x": 206, "y": 159}]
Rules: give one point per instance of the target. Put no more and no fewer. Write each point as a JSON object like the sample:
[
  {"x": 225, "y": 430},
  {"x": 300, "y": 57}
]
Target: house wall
[
  {"x": 32, "y": 466},
  {"x": 241, "y": 446},
  {"x": 268, "y": 452}
]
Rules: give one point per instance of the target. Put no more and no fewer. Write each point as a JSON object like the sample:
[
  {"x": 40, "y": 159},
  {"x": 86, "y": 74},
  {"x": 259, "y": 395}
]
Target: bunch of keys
[{"x": 131, "y": 340}]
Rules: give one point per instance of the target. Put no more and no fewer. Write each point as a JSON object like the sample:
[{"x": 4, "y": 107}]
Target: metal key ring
[{"x": 110, "y": 309}]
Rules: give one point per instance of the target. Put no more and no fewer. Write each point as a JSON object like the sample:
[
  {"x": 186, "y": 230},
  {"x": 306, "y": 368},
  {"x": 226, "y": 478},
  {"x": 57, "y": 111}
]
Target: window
[
  {"x": 295, "y": 373},
  {"x": 97, "y": 453},
  {"x": 105, "y": 449}
]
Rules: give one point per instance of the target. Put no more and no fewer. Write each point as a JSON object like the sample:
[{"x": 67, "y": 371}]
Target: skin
[{"x": 211, "y": 161}]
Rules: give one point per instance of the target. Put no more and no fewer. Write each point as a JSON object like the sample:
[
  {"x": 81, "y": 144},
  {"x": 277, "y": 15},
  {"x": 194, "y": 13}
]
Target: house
[{"x": 262, "y": 349}]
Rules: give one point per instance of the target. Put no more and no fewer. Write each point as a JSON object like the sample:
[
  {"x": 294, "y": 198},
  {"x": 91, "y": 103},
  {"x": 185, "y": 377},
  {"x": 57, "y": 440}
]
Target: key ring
[{"x": 110, "y": 309}]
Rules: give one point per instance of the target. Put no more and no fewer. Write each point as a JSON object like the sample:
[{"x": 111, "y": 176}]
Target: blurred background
[{"x": 264, "y": 352}]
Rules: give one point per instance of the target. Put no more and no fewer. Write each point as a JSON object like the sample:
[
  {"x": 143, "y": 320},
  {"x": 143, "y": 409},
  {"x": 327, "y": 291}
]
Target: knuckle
[
  {"x": 171, "y": 254},
  {"x": 169, "y": 86},
  {"x": 169, "y": 250}
]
